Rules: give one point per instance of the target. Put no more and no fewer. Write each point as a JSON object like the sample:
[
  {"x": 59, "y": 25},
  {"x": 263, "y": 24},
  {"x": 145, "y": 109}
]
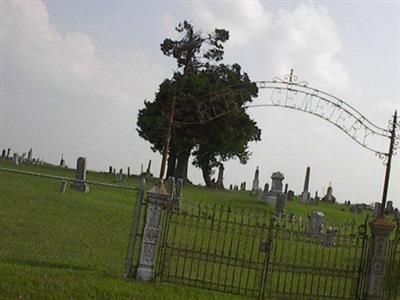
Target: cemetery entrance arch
[{"x": 288, "y": 92}]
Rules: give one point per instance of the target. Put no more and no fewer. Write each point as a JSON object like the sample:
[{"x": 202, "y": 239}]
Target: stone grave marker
[
  {"x": 389, "y": 207},
  {"x": 305, "y": 195},
  {"x": 316, "y": 223},
  {"x": 286, "y": 189},
  {"x": 148, "y": 171},
  {"x": 29, "y": 160},
  {"x": 290, "y": 195},
  {"x": 62, "y": 161},
  {"x": 256, "y": 183},
  {"x": 329, "y": 237},
  {"x": 276, "y": 188},
  {"x": 265, "y": 191},
  {"x": 377, "y": 209},
  {"x": 280, "y": 204},
  {"x": 15, "y": 160},
  {"x": 80, "y": 175},
  {"x": 329, "y": 198}
]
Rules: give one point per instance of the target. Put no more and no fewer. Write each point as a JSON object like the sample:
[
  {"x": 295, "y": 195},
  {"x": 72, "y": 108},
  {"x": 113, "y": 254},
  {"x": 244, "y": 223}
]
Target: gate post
[
  {"x": 156, "y": 198},
  {"x": 381, "y": 229}
]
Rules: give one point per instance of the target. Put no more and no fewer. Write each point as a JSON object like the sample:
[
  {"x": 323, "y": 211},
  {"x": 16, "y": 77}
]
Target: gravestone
[
  {"x": 110, "y": 169},
  {"x": 316, "y": 223},
  {"x": 276, "y": 188},
  {"x": 280, "y": 204},
  {"x": 148, "y": 171},
  {"x": 15, "y": 159},
  {"x": 329, "y": 198},
  {"x": 286, "y": 189},
  {"x": 129, "y": 172},
  {"x": 305, "y": 195},
  {"x": 62, "y": 161},
  {"x": 316, "y": 198},
  {"x": 29, "y": 161},
  {"x": 329, "y": 237},
  {"x": 21, "y": 158},
  {"x": 389, "y": 207},
  {"x": 377, "y": 209},
  {"x": 266, "y": 190},
  {"x": 236, "y": 188},
  {"x": 3, "y": 154},
  {"x": 114, "y": 171},
  {"x": 120, "y": 175},
  {"x": 220, "y": 181},
  {"x": 356, "y": 208},
  {"x": 8, "y": 153},
  {"x": 256, "y": 183},
  {"x": 80, "y": 175},
  {"x": 230, "y": 187},
  {"x": 290, "y": 195}
]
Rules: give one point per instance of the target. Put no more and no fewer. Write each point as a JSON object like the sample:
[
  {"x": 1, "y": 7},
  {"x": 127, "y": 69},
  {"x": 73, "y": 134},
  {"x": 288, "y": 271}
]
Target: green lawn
[
  {"x": 73, "y": 245},
  {"x": 70, "y": 246}
]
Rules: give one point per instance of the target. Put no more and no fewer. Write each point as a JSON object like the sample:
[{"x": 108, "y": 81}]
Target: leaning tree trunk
[
  {"x": 182, "y": 166},
  {"x": 171, "y": 169}
]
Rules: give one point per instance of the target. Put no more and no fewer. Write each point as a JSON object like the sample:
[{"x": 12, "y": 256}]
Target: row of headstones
[
  {"x": 317, "y": 229},
  {"x": 359, "y": 208},
  {"x": 121, "y": 174},
  {"x": 389, "y": 210},
  {"x": 276, "y": 189},
  {"x": 25, "y": 158}
]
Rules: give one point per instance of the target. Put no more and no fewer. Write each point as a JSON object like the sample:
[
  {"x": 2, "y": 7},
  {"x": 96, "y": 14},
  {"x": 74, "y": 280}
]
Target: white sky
[{"x": 74, "y": 74}]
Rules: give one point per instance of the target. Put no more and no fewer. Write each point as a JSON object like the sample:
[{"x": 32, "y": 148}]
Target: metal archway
[{"x": 289, "y": 93}]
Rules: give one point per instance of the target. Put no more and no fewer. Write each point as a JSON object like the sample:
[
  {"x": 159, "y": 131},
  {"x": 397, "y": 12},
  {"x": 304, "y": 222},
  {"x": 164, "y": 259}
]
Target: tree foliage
[{"x": 198, "y": 88}]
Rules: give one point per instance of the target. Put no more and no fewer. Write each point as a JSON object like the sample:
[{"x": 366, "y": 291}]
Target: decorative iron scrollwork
[
  {"x": 290, "y": 93},
  {"x": 289, "y": 79}
]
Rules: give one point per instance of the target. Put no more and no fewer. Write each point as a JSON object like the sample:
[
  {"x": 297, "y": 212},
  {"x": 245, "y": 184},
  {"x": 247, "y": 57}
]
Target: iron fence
[
  {"x": 261, "y": 256},
  {"x": 391, "y": 289}
]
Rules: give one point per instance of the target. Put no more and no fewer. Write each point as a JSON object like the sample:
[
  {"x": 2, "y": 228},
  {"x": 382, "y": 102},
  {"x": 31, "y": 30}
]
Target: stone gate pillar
[
  {"x": 381, "y": 229},
  {"x": 156, "y": 198}
]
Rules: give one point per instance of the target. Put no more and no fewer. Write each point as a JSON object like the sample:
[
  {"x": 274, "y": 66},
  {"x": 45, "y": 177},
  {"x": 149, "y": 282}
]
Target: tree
[
  {"x": 197, "y": 79},
  {"x": 231, "y": 132}
]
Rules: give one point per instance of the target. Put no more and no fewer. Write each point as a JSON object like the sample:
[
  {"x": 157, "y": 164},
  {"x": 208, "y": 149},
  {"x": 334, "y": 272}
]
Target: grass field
[{"x": 73, "y": 245}]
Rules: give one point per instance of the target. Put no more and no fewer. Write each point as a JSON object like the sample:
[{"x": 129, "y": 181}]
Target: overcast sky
[{"x": 75, "y": 73}]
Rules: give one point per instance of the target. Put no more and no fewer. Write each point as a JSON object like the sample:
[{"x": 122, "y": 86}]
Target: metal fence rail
[{"x": 69, "y": 179}]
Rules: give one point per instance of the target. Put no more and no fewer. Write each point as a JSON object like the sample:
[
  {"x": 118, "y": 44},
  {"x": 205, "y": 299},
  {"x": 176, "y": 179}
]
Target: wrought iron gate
[
  {"x": 262, "y": 256},
  {"x": 215, "y": 248}
]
